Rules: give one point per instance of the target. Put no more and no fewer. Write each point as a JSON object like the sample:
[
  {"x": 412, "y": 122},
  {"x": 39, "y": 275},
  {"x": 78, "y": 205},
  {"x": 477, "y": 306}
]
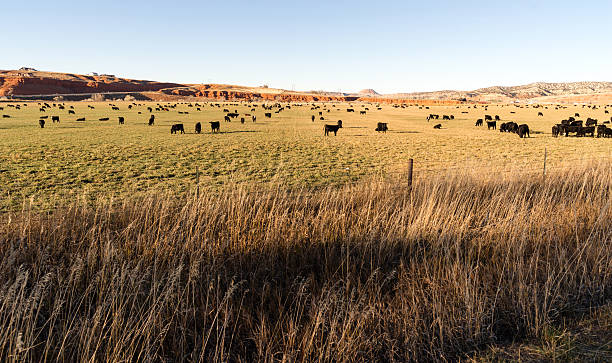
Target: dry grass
[{"x": 365, "y": 272}]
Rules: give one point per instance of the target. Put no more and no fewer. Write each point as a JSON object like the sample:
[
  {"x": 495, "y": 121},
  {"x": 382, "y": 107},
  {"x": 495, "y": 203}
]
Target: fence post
[
  {"x": 197, "y": 181},
  {"x": 544, "y": 169},
  {"x": 410, "y": 166}
]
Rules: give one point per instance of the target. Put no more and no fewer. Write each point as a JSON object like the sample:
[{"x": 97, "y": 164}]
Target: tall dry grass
[{"x": 365, "y": 272}]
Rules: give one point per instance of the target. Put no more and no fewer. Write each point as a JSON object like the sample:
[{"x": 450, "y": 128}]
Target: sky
[{"x": 389, "y": 46}]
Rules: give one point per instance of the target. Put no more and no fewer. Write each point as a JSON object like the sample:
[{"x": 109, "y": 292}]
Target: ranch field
[
  {"x": 302, "y": 247},
  {"x": 44, "y": 167}
]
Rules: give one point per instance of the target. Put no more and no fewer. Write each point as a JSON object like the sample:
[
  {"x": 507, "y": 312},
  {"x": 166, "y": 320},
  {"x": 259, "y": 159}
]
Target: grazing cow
[
  {"x": 198, "y": 128},
  {"x": 103, "y": 119},
  {"x": 540, "y": 114},
  {"x": 508, "y": 127},
  {"x": 215, "y": 126},
  {"x": 55, "y": 119},
  {"x": 268, "y": 114},
  {"x": 115, "y": 108},
  {"x": 497, "y": 118},
  {"x": 577, "y": 114},
  {"x": 227, "y": 119},
  {"x": 350, "y": 110},
  {"x": 438, "y": 126},
  {"x": 177, "y": 128},
  {"x": 332, "y": 128},
  {"x": 601, "y": 131},
  {"x": 152, "y": 120},
  {"x": 586, "y": 130},
  {"x": 445, "y": 117},
  {"x": 43, "y": 109},
  {"x": 479, "y": 122},
  {"x": 523, "y": 131},
  {"x": 556, "y": 130},
  {"x": 488, "y": 118},
  {"x": 491, "y": 125},
  {"x": 41, "y": 123},
  {"x": 121, "y": 120},
  {"x": 81, "y": 119},
  {"x": 362, "y": 112},
  {"x": 381, "y": 127},
  {"x": 71, "y": 112}
]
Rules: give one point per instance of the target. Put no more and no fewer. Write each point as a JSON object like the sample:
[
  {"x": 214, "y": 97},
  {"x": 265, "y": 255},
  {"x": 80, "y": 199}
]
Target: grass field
[
  {"x": 303, "y": 247},
  {"x": 101, "y": 158}
]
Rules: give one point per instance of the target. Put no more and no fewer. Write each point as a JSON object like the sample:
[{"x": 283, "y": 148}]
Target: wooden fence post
[
  {"x": 198, "y": 181},
  {"x": 410, "y": 166},
  {"x": 544, "y": 169}
]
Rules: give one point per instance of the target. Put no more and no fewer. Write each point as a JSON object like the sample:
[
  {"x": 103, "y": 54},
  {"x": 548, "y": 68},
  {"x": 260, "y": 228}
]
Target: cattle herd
[{"x": 567, "y": 127}]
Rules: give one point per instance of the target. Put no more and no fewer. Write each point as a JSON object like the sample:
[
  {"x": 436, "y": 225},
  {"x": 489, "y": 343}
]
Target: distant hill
[
  {"x": 368, "y": 92},
  {"x": 532, "y": 91},
  {"x": 28, "y": 81}
]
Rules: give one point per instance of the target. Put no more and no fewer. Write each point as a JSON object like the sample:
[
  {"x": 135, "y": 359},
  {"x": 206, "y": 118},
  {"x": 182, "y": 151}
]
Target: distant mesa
[{"x": 369, "y": 92}]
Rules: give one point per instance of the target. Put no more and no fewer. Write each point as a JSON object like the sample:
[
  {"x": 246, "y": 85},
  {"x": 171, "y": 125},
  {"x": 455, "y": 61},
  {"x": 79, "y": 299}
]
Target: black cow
[
  {"x": 81, "y": 119},
  {"x": 540, "y": 114},
  {"x": 254, "y": 118},
  {"x": 350, "y": 110},
  {"x": 488, "y": 118},
  {"x": 312, "y": 118},
  {"x": 152, "y": 120},
  {"x": 215, "y": 126},
  {"x": 198, "y": 128},
  {"x": 71, "y": 112},
  {"x": 590, "y": 122},
  {"x": 523, "y": 130},
  {"x": 41, "y": 123},
  {"x": 479, "y": 122},
  {"x": 121, "y": 120},
  {"x": 103, "y": 119},
  {"x": 491, "y": 125},
  {"x": 362, "y": 112},
  {"x": 55, "y": 119},
  {"x": 332, "y": 128},
  {"x": 268, "y": 114},
  {"x": 438, "y": 126},
  {"x": 381, "y": 127},
  {"x": 227, "y": 119},
  {"x": 177, "y": 128}
]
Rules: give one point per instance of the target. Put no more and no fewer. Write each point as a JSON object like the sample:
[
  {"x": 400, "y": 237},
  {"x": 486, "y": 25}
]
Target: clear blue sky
[{"x": 391, "y": 46}]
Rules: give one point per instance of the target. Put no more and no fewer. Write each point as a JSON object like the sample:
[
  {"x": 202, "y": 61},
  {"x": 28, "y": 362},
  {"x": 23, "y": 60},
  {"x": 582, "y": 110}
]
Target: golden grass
[{"x": 364, "y": 272}]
